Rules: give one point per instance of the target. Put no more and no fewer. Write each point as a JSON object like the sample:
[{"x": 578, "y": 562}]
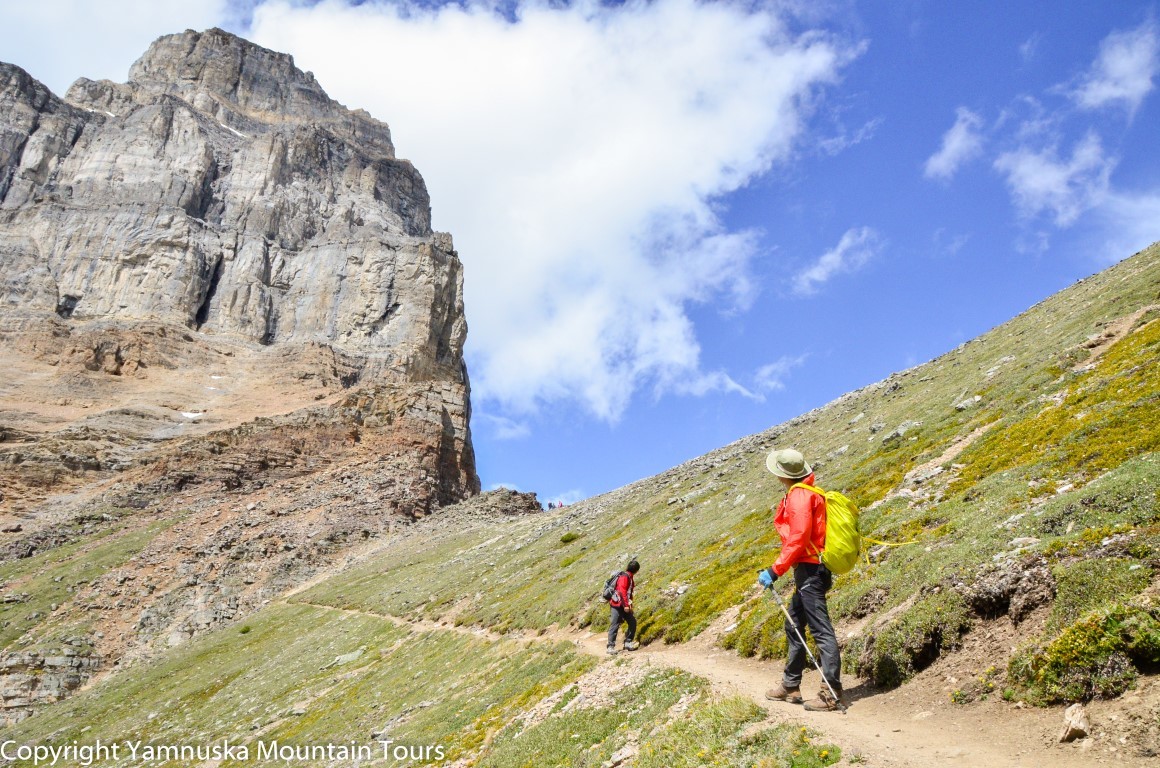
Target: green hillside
[
  {"x": 305, "y": 677},
  {"x": 1053, "y": 465},
  {"x": 1018, "y": 474}
]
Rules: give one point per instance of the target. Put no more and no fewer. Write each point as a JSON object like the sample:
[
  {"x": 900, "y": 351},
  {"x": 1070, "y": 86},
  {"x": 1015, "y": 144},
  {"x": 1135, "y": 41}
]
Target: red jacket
[
  {"x": 801, "y": 524},
  {"x": 622, "y": 598}
]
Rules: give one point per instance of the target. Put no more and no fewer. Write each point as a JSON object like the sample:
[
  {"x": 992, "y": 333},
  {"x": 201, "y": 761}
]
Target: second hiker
[
  {"x": 621, "y": 605},
  {"x": 801, "y": 525}
]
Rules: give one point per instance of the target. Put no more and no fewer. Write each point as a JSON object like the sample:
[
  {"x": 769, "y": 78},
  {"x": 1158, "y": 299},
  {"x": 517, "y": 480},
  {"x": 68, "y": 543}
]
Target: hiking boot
[
  {"x": 782, "y": 693},
  {"x": 631, "y": 645},
  {"x": 824, "y": 703},
  {"x": 612, "y": 650}
]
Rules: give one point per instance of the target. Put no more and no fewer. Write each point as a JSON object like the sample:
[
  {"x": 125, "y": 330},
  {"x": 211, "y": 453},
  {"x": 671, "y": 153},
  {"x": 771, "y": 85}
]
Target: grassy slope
[
  {"x": 705, "y": 525},
  {"x": 275, "y": 679},
  {"x": 701, "y": 530},
  {"x": 234, "y": 683},
  {"x": 53, "y": 578}
]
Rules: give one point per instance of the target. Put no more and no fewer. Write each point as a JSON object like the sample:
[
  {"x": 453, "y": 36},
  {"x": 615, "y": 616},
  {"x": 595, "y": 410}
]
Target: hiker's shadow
[{"x": 858, "y": 692}]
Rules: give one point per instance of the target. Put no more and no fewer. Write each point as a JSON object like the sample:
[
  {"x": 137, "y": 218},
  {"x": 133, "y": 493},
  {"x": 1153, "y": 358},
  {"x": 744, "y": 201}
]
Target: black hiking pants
[
  {"x": 619, "y": 615},
  {"x": 808, "y": 608}
]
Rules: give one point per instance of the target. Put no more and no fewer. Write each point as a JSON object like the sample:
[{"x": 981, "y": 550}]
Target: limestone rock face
[
  {"x": 222, "y": 191},
  {"x": 233, "y": 353},
  {"x": 29, "y": 680}
]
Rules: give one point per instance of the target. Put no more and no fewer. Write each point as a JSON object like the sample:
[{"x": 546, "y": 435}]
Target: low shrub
[
  {"x": 1090, "y": 584},
  {"x": 1096, "y": 657},
  {"x": 760, "y": 632},
  {"x": 914, "y": 640},
  {"x": 979, "y": 688}
]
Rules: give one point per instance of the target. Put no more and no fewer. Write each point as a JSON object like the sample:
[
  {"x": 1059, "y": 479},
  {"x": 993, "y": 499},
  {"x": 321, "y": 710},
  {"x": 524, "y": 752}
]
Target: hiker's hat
[{"x": 788, "y": 463}]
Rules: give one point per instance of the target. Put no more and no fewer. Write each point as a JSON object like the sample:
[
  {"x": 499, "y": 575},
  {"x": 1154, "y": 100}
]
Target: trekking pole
[{"x": 802, "y": 640}]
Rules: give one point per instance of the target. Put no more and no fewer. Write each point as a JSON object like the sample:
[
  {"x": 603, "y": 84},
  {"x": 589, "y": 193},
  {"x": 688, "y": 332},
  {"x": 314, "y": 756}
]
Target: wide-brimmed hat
[{"x": 788, "y": 463}]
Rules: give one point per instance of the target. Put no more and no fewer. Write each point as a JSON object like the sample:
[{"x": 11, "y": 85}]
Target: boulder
[{"x": 1075, "y": 724}]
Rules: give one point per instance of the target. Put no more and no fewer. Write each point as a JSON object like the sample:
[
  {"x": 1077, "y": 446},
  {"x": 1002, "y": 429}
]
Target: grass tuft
[
  {"x": 1098, "y": 656},
  {"x": 910, "y": 643}
]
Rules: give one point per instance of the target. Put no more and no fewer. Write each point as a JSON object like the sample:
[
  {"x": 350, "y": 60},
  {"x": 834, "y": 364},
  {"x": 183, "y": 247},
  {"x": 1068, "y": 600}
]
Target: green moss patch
[
  {"x": 912, "y": 641},
  {"x": 760, "y": 632},
  {"x": 1089, "y": 584},
  {"x": 1128, "y": 496},
  {"x": 1098, "y": 656},
  {"x": 589, "y": 736}
]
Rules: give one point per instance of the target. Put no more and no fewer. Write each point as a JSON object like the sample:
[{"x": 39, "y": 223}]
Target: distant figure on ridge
[
  {"x": 801, "y": 525},
  {"x": 620, "y": 604}
]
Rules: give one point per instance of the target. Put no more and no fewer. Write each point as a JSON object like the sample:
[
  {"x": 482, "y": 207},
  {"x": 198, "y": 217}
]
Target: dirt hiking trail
[{"x": 915, "y": 726}]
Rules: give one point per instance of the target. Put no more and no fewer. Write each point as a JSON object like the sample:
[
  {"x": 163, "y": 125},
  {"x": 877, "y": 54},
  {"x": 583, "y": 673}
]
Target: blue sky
[{"x": 684, "y": 223}]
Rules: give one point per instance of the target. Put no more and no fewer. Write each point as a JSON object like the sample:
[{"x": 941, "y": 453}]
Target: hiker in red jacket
[
  {"x": 621, "y": 605},
  {"x": 801, "y": 525}
]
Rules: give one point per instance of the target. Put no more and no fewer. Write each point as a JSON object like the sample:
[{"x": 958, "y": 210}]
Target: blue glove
[{"x": 766, "y": 578}]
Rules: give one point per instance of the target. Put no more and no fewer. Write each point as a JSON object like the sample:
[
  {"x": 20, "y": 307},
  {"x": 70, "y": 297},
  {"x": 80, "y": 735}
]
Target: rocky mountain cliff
[
  {"x": 220, "y": 295},
  {"x": 221, "y": 190}
]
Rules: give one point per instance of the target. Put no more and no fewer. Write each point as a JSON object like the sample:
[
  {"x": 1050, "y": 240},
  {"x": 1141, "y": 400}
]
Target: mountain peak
[
  {"x": 232, "y": 68},
  {"x": 220, "y": 200},
  {"x": 234, "y": 81}
]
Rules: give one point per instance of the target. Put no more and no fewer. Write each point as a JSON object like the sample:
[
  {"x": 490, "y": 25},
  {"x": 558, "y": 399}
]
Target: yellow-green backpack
[{"x": 843, "y": 542}]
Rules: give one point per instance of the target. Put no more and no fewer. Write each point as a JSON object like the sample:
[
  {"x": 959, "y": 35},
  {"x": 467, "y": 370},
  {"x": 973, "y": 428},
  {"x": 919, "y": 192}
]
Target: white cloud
[
  {"x": 855, "y": 248},
  {"x": 704, "y": 383},
  {"x": 1040, "y": 181},
  {"x": 947, "y": 244},
  {"x": 1123, "y": 71},
  {"x": 57, "y": 41},
  {"x": 1029, "y": 50},
  {"x": 771, "y": 377},
  {"x": 963, "y": 142},
  {"x": 1044, "y": 180},
  {"x": 576, "y": 156},
  {"x": 767, "y": 378},
  {"x": 1132, "y": 223},
  {"x": 1026, "y": 119},
  {"x": 844, "y": 140},
  {"x": 503, "y": 428}
]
